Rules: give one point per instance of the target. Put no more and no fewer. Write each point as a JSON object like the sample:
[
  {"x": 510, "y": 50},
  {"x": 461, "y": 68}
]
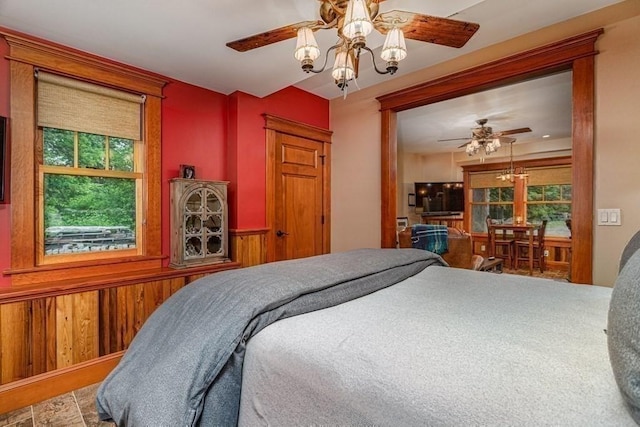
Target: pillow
[
  {"x": 632, "y": 246},
  {"x": 623, "y": 333}
]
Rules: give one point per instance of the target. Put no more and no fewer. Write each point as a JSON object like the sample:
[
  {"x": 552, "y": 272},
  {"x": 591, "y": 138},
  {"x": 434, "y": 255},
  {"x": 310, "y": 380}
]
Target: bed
[{"x": 382, "y": 337}]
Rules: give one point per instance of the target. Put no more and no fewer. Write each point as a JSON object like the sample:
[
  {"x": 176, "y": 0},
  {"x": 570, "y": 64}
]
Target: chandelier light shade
[
  {"x": 394, "y": 48},
  {"x": 343, "y": 67},
  {"x": 357, "y": 22},
  {"x": 307, "y": 49}
]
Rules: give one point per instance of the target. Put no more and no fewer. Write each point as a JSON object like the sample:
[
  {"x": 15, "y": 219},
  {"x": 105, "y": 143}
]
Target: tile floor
[{"x": 75, "y": 409}]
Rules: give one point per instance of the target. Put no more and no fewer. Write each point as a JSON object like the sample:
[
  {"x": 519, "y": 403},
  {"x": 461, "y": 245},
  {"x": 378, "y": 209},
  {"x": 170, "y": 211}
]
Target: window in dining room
[
  {"x": 490, "y": 197},
  {"x": 549, "y": 196}
]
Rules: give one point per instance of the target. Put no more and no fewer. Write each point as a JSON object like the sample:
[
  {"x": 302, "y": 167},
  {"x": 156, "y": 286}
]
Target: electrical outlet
[
  {"x": 483, "y": 248},
  {"x": 546, "y": 252}
]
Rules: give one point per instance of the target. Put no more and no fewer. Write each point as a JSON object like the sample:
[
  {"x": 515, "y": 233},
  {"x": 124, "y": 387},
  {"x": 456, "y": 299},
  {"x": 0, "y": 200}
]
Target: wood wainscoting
[
  {"x": 249, "y": 247},
  {"x": 63, "y": 336},
  {"x": 558, "y": 247}
]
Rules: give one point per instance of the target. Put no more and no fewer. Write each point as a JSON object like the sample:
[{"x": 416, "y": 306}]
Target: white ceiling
[
  {"x": 542, "y": 104},
  {"x": 185, "y": 40}
]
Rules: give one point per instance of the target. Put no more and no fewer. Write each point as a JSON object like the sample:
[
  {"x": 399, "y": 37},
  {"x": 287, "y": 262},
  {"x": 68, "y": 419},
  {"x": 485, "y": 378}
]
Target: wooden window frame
[
  {"x": 135, "y": 176},
  {"x": 25, "y": 56}
]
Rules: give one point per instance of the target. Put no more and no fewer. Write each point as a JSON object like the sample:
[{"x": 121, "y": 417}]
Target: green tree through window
[{"x": 89, "y": 192}]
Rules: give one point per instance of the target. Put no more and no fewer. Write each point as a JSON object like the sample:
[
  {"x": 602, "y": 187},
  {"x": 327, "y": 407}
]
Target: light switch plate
[{"x": 609, "y": 217}]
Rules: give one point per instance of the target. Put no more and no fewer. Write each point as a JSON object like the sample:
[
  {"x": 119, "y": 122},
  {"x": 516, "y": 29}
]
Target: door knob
[{"x": 281, "y": 233}]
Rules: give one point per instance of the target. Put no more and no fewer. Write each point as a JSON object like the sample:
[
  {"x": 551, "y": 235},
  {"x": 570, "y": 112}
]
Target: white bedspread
[{"x": 445, "y": 347}]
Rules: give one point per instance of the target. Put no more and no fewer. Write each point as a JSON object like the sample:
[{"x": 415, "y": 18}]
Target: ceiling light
[
  {"x": 511, "y": 174},
  {"x": 356, "y": 25}
]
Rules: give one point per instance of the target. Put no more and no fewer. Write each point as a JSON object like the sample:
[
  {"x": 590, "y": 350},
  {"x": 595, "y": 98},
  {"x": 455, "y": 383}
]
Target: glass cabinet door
[{"x": 199, "y": 222}]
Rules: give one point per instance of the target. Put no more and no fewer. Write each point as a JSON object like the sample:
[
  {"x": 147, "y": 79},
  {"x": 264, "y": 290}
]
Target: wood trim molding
[
  {"x": 576, "y": 54},
  {"x": 298, "y": 129},
  {"x": 273, "y": 126},
  {"x": 248, "y": 232},
  {"x": 25, "y": 55},
  {"x": 533, "y": 163},
  {"x": 535, "y": 62},
  {"x": 79, "y": 64},
  {"x": 72, "y": 286},
  {"x": 21, "y": 393}
]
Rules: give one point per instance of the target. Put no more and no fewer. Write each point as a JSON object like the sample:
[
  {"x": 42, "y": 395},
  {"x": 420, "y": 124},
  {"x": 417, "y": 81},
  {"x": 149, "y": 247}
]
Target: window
[
  {"x": 89, "y": 194},
  {"x": 495, "y": 202},
  {"x": 545, "y": 193},
  {"x": 86, "y": 165},
  {"x": 492, "y": 197},
  {"x": 550, "y": 202},
  {"x": 88, "y": 175}
]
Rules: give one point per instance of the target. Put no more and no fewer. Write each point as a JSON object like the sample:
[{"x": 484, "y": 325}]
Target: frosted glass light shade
[
  {"x": 357, "y": 22},
  {"x": 343, "y": 66},
  {"x": 306, "y": 45},
  {"x": 394, "y": 48}
]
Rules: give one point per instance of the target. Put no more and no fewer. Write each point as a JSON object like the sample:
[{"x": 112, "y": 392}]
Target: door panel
[{"x": 298, "y": 206}]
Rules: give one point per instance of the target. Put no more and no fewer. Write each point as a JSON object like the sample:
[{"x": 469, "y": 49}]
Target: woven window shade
[
  {"x": 549, "y": 176},
  {"x": 487, "y": 180},
  {"x": 70, "y": 104}
]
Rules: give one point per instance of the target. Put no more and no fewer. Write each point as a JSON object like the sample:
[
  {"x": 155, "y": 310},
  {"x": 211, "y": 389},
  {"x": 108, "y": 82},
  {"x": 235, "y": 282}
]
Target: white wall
[{"x": 356, "y": 154}]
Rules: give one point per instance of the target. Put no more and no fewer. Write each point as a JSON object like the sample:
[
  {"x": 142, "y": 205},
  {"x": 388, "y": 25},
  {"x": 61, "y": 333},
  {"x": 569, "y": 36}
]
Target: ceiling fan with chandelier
[
  {"x": 354, "y": 20},
  {"x": 484, "y": 140}
]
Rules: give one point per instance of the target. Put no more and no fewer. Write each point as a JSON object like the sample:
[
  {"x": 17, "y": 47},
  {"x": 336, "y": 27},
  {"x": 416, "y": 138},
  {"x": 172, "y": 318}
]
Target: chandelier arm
[
  {"x": 324, "y": 65},
  {"x": 373, "y": 61}
]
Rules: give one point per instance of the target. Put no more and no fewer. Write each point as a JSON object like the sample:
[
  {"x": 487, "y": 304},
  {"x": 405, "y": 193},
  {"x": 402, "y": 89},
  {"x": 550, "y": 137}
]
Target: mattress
[{"x": 445, "y": 347}]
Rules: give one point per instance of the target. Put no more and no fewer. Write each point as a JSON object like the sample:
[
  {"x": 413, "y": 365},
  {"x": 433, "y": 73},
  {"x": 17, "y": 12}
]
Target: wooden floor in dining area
[
  {"x": 75, "y": 409},
  {"x": 561, "y": 275}
]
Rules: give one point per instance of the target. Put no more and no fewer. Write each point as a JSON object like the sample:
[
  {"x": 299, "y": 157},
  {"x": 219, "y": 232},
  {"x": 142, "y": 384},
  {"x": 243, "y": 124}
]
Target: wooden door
[
  {"x": 298, "y": 189},
  {"x": 298, "y": 192}
]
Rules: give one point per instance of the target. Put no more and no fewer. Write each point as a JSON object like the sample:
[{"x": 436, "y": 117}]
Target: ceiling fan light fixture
[
  {"x": 343, "y": 68},
  {"x": 496, "y": 142},
  {"x": 307, "y": 49},
  {"x": 357, "y": 21},
  {"x": 394, "y": 49}
]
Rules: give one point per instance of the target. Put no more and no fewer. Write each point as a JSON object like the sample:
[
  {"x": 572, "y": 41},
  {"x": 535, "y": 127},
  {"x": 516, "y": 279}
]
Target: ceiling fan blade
[
  {"x": 452, "y": 139},
  {"x": 506, "y": 140},
  {"x": 272, "y": 36},
  {"x": 427, "y": 28},
  {"x": 463, "y": 145},
  {"x": 513, "y": 131}
]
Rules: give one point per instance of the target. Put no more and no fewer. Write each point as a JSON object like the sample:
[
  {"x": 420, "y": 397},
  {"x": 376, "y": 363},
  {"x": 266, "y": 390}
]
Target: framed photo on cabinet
[{"x": 187, "y": 171}]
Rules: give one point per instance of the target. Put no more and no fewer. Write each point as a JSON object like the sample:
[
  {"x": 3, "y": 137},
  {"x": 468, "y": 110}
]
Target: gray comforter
[{"x": 185, "y": 365}]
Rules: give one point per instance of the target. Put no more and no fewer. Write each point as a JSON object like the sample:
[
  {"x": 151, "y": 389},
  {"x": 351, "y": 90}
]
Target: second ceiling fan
[{"x": 486, "y": 141}]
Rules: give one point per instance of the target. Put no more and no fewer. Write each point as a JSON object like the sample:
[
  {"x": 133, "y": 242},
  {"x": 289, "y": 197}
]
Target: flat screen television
[{"x": 440, "y": 198}]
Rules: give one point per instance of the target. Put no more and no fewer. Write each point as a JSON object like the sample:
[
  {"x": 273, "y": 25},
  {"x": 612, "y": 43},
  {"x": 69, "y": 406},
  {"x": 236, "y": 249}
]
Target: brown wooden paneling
[
  {"x": 576, "y": 54},
  {"x": 248, "y": 247},
  {"x": 14, "y": 347}
]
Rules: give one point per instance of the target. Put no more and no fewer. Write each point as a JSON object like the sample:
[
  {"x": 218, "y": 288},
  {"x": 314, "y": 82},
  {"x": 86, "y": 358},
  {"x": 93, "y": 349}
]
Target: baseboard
[{"x": 21, "y": 393}]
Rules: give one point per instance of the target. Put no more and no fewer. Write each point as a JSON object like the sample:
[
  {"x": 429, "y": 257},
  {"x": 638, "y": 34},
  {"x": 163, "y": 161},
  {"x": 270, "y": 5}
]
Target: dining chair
[
  {"x": 500, "y": 246},
  {"x": 522, "y": 248}
]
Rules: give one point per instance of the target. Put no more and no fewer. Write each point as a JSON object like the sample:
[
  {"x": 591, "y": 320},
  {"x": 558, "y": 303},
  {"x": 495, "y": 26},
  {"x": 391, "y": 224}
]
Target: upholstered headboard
[
  {"x": 623, "y": 326},
  {"x": 632, "y": 246}
]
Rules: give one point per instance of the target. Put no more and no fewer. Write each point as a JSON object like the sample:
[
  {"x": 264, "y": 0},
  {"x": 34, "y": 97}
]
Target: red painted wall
[
  {"x": 194, "y": 128},
  {"x": 247, "y": 164},
  {"x": 222, "y": 136}
]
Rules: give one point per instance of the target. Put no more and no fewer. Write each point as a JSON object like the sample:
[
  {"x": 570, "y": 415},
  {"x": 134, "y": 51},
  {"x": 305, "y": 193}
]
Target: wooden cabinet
[{"x": 198, "y": 222}]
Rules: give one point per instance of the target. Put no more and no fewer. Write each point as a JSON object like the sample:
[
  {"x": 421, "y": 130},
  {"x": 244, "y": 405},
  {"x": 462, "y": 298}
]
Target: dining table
[{"x": 520, "y": 231}]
